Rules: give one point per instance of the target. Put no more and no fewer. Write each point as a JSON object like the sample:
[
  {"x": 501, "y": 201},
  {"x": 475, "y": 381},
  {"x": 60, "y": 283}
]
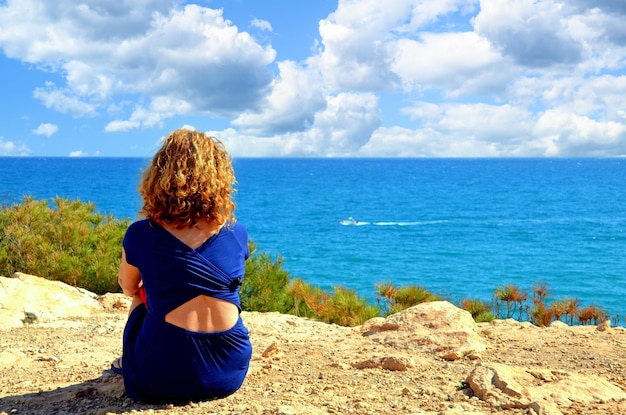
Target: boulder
[
  {"x": 436, "y": 327},
  {"x": 544, "y": 391},
  {"x": 30, "y": 299}
]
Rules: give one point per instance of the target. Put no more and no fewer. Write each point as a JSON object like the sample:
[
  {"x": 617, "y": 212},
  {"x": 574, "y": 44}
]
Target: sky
[{"x": 315, "y": 78}]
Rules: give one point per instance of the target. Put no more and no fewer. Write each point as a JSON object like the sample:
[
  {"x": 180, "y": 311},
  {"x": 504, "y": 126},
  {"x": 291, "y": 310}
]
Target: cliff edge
[{"x": 57, "y": 342}]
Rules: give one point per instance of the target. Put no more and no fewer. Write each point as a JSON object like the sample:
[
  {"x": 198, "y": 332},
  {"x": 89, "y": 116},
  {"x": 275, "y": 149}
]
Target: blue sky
[{"x": 315, "y": 78}]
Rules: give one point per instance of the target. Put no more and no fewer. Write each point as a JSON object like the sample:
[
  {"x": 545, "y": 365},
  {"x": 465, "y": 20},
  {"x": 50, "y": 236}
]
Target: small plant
[
  {"x": 512, "y": 297},
  {"x": 592, "y": 315},
  {"x": 29, "y": 318},
  {"x": 540, "y": 315},
  {"x": 558, "y": 309},
  {"x": 343, "y": 307},
  {"x": 393, "y": 300},
  {"x": 540, "y": 292},
  {"x": 571, "y": 308},
  {"x": 309, "y": 301},
  {"x": 478, "y": 309},
  {"x": 462, "y": 385}
]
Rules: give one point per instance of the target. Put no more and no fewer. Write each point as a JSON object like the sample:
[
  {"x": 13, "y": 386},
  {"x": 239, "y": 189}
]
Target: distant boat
[
  {"x": 349, "y": 221},
  {"x": 352, "y": 222}
]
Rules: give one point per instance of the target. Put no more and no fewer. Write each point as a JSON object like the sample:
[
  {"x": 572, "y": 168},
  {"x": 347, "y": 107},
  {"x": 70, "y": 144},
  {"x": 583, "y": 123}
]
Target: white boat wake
[{"x": 353, "y": 222}]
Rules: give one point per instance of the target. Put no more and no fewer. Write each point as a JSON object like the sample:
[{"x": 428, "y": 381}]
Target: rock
[
  {"x": 114, "y": 301},
  {"x": 10, "y": 357},
  {"x": 543, "y": 390},
  {"x": 271, "y": 350},
  {"x": 558, "y": 324},
  {"x": 392, "y": 363},
  {"x": 434, "y": 327},
  {"x": 604, "y": 326},
  {"x": 30, "y": 299}
]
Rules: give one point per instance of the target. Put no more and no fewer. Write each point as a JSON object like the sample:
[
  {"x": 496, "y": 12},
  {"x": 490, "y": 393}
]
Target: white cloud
[
  {"x": 344, "y": 125},
  {"x": 9, "y": 148},
  {"x": 180, "y": 60},
  {"x": 46, "y": 129},
  {"x": 532, "y": 33},
  {"x": 291, "y": 106},
  {"x": 355, "y": 54},
  {"x": 451, "y": 61},
  {"x": 359, "y": 51},
  {"x": 64, "y": 101},
  {"x": 426, "y": 12},
  {"x": 78, "y": 153},
  {"x": 574, "y": 135},
  {"x": 426, "y": 142},
  {"x": 261, "y": 25},
  {"x": 455, "y": 130},
  {"x": 121, "y": 126}
]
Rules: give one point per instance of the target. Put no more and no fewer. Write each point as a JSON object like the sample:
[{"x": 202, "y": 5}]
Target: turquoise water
[{"x": 459, "y": 227}]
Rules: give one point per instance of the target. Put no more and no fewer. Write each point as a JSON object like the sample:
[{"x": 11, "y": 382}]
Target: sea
[{"x": 458, "y": 227}]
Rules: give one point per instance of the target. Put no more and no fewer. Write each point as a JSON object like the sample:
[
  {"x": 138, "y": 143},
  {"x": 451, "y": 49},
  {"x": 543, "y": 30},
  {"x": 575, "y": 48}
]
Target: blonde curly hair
[{"x": 189, "y": 179}]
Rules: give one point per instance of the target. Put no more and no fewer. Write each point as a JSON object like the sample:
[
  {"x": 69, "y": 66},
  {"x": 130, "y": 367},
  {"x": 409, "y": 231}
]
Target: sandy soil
[{"x": 299, "y": 367}]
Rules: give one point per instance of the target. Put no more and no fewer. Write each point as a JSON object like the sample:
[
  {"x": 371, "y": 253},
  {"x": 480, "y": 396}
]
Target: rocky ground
[{"x": 431, "y": 359}]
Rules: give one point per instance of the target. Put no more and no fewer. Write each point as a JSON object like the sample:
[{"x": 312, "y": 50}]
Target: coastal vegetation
[{"x": 67, "y": 240}]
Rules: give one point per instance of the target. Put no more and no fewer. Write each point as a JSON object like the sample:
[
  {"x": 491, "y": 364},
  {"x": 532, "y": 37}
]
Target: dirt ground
[{"x": 299, "y": 367}]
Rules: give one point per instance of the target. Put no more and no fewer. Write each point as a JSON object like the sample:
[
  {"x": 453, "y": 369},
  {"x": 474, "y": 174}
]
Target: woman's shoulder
[
  {"x": 141, "y": 224},
  {"x": 236, "y": 229},
  {"x": 141, "y": 228},
  {"x": 235, "y": 226}
]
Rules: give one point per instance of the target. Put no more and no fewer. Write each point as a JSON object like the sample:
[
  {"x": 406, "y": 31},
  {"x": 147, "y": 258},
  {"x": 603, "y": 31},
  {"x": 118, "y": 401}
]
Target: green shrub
[
  {"x": 309, "y": 300},
  {"x": 393, "y": 299},
  {"x": 343, "y": 307},
  {"x": 346, "y": 308},
  {"x": 265, "y": 284},
  {"x": 478, "y": 309},
  {"x": 267, "y": 287},
  {"x": 69, "y": 242}
]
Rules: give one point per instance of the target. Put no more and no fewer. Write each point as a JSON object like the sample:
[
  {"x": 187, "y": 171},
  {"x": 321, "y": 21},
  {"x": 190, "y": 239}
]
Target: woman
[{"x": 183, "y": 266}]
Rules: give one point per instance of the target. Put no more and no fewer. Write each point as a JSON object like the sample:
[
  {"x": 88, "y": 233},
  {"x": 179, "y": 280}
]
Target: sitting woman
[{"x": 184, "y": 339}]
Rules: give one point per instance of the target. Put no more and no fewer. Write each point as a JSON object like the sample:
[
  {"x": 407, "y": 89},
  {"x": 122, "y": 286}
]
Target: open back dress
[{"x": 165, "y": 363}]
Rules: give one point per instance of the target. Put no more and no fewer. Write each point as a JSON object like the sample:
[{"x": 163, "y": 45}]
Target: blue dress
[{"x": 166, "y": 363}]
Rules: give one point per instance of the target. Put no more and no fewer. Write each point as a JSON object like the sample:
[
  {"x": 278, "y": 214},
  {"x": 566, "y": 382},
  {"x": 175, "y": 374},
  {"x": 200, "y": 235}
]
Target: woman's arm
[{"x": 129, "y": 277}]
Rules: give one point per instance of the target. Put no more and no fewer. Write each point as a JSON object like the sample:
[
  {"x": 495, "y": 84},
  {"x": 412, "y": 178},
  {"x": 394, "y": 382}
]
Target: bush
[
  {"x": 512, "y": 297},
  {"x": 592, "y": 314},
  {"x": 68, "y": 242},
  {"x": 478, "y": 309},
  {"x": 344, "y": 307},
  {"x": 393, "y": 299},
  {"x": 309, "y": 301},
  {"x": 267, "y": 287},
  {"x": 265, "y": 284},
  {"x": 540, "y": 315}
]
